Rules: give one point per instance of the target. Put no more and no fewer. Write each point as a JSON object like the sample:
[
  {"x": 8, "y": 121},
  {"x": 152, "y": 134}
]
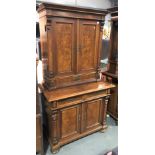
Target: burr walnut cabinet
[
  {"x": 76, "y": 111},
  {"x": 75, "y": 99},
  {"x": 70, "y": 44}
]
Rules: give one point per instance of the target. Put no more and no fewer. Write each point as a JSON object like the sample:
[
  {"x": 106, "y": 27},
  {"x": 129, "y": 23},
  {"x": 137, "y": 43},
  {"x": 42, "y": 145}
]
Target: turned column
[
  {"x": 53, "y": 123},
  {"x": 49, "y": 70},
  {"x": 105, "y": 102}
]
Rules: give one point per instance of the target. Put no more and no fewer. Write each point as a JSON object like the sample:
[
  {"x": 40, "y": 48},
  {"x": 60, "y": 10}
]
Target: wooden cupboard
[
  {"x": 70, "y": 44},
  {"x": 73, "y": 114},
  {"x": 74, "y": 97}
]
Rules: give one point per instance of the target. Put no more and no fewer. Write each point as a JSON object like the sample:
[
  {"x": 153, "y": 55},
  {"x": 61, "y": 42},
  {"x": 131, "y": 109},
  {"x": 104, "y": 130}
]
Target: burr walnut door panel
[
  {"x": 87, "y": 55},
  {"x": 92, "y": 114},
  {"x": 70, "y": 122},
  {"x": 64, "y": 33}
]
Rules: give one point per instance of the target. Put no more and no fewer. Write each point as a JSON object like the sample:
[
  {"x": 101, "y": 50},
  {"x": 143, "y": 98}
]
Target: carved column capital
[
  {"x": 107, "y": 99},
  {"x": 48, "y": 25},
  {"x": 49, "y": 83},
  {"x": 98, "y": 71},
  {"x": 54, "y": 115},
  {"x": 49, "y": 112},
  {"x": 54, "y": 104},
  {"x": 101, "y": 25},
  {"x": 49, "y": 74}
]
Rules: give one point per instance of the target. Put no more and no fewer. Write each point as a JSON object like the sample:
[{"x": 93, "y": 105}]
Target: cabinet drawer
[
  {"x": 69, "y": 101},
  {"x": 94, "y": 95},
  {"x": 79, "y": 99}
]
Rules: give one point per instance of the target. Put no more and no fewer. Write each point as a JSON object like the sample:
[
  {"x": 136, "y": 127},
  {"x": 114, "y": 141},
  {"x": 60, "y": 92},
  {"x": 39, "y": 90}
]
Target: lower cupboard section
[{"x": 75, "y": 121}]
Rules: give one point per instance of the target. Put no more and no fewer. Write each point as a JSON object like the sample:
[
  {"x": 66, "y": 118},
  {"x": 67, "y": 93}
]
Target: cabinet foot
[
  {"x": 104, "y": 129},
  {"x": 55, "y": 149}
]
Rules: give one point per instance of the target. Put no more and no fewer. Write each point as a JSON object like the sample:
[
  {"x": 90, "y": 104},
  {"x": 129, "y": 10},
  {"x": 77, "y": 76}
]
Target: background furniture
[
  {"x": 39, "y": 127},
  {"x": 112, "y": 73},
  {"x": 39, "y": 131},
  {"x": 75, "y": 99}
]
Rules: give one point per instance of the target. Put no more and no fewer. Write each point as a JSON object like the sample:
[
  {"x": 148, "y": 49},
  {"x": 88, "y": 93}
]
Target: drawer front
[
  {"x": 94, "y": 95},
  {"x": 77, "y": 99},
  {"x": 69, "y": 101}
]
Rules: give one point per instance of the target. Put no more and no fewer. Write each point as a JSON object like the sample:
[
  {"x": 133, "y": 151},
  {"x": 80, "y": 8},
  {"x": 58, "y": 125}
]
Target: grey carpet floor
[{"x": 94, "y": 144}]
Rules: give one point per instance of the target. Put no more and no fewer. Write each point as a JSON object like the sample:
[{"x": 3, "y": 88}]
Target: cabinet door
[
  {"x": 92, "y": 114},
  {"x": 64, "y": 42},
  {"x": 87, "y": 55},
  {"x": 70, "y": 121}
]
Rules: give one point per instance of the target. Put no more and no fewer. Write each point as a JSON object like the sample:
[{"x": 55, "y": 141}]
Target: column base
[
  {"x": 104, "y": 129},
  {"x": 55, "y": 149}
]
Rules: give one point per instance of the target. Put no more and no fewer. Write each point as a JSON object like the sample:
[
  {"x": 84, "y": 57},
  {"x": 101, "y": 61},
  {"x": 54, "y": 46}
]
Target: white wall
[
  {"x": 104, "y": 4},
  {"x": 66, "y": 2}
]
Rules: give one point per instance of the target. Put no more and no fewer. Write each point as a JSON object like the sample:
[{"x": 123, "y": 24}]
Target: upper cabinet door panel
[
  {"x": 64, "y": 45},
  {"x": 88, "y": 46}
]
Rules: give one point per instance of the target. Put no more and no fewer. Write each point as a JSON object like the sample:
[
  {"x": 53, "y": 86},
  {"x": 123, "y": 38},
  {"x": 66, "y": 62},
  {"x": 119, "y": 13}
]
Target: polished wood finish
[
  {"x": 70, "y": 44},
  {"x": 87, "y": 54},
  {"x": 75, "y": 98},
  {"x": 73, "y": 91},
  {"x": 76, "y": 111},
  {"x": 52, "y": 9},
  {"x": 93, "y": 114},
  {"x": 70, "y": 125}
]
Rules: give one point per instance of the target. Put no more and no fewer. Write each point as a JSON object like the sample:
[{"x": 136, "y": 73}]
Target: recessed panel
[
  {"x": 93, "y": 113},
  {"x": 88, "y": 44},
  {"x": 64, "y": 46},
  {"x": 69, "y": 121}
]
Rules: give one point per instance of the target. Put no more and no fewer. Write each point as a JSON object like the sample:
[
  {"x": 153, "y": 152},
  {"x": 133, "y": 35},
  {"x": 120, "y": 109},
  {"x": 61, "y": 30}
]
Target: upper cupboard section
[{"x": 70, "y": 44}]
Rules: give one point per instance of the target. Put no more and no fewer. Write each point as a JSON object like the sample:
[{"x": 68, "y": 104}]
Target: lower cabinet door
[
  {"x": 92, "y": 114},
  {"x": 70, "y": 122}
]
